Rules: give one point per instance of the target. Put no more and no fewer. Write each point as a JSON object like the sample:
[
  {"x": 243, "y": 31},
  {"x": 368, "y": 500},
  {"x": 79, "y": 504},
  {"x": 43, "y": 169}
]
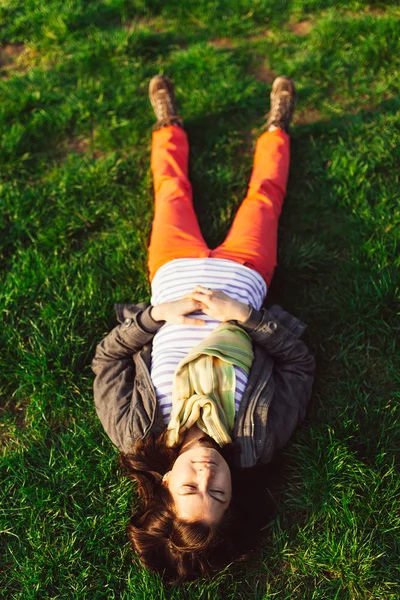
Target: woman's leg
[
  {"x": 175, "y": 231},
  {"x": 252, "y": 239}
]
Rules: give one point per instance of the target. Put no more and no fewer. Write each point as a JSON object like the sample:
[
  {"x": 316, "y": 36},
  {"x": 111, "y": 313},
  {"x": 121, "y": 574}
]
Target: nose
[{"x": 205, "y": 473}]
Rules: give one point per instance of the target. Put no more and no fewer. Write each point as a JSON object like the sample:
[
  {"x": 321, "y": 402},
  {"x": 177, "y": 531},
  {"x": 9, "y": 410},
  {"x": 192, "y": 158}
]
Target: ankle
[{"x": 176, "y": 121}]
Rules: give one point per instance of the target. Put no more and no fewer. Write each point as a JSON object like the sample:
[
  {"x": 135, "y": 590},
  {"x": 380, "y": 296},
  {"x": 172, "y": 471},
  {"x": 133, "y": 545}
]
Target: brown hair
[{"x": 178, "y": 550}]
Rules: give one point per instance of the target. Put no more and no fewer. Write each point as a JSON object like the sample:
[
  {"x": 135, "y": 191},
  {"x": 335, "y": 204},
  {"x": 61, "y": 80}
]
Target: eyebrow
[{"x": 213, "y": 497}]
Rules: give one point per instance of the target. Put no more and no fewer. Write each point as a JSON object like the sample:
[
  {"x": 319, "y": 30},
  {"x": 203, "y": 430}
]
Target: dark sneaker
[
  {"x": 162, "y": 98},
  {"x": 283, "y": 102}
]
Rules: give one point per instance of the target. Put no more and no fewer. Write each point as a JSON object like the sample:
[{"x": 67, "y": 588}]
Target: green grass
[{"x": 75, "y": 217}]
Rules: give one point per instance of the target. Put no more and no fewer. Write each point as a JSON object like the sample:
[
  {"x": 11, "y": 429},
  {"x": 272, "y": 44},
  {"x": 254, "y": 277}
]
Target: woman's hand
[
  {"x": 175, "y": 312},
  {"x": 218, "y": 305}
]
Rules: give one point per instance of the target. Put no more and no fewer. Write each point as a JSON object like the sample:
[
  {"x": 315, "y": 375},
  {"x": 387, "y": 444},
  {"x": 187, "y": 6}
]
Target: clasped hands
[{"x": 214, "y": 303}]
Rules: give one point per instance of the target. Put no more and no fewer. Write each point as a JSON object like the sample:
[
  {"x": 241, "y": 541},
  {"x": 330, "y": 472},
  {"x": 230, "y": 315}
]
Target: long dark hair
[{"x": 178, "y": 550}]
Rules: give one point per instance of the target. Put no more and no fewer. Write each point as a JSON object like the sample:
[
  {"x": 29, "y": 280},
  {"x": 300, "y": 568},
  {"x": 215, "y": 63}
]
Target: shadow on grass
[{"x": 205, "y": 136}]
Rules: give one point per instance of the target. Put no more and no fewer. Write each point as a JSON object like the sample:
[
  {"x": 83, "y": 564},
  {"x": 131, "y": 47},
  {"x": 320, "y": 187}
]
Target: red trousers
[{"x": 252, "y": 238}]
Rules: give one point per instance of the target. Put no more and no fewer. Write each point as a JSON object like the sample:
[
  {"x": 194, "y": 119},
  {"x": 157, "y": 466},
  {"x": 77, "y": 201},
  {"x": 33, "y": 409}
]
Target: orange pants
[{"x": 252, "y": 238}]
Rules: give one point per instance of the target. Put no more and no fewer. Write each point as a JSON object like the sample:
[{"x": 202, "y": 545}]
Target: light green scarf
[{"x": 204, "y": 384}]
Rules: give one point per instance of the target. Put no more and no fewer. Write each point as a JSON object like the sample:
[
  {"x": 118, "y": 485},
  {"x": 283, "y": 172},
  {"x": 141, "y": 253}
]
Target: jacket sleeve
[
  {"x": 294, "y": 367},
  {"x": 114, "y": 369}
]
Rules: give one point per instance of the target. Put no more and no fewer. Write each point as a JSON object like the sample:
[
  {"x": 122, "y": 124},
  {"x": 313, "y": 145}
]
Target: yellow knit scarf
[{"x": 204, "y": 384}]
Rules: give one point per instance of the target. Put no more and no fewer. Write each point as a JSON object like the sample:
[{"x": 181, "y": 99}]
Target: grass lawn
[{"x": 75, "y": 216}]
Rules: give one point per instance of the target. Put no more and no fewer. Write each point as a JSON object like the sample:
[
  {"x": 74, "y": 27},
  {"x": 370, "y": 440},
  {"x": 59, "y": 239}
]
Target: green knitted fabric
[{"x": 204, "y": 384}]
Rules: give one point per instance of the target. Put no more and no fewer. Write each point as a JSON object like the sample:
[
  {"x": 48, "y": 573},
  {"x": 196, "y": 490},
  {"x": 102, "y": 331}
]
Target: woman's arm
[
  {"x": 293, "y": 372},
  {"x": 114, "y": 367},
  {"x": 129, "y": 337},
  {"x": 115, "y": 373},
  {"x": 278, "y": 334}
]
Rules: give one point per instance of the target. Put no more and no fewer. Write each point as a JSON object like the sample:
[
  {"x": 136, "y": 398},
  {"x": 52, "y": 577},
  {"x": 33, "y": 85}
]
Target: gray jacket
[{"x": 273, "y": 404}]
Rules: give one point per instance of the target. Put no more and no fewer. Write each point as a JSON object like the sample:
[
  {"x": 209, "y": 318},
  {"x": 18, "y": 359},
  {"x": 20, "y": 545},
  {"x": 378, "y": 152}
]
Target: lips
[{"x": 205, "y": 462}]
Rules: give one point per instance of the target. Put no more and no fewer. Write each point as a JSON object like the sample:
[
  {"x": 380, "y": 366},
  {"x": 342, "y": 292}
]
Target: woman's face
[{"x": 200, "y": 484}]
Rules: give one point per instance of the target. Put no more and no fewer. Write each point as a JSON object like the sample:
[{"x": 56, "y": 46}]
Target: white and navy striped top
[{"x": 172, "y": 343}]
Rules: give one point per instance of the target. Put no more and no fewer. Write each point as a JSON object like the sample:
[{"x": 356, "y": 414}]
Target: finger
[
  {"x": 199, "y": 297},
  {"x": 203, "y": 290},
  {"x": 192, "y": 304},
  {"x": 192, "y": 296},
  {"x": 201, "y": 306},
  {"x": 191, "y": 321}
]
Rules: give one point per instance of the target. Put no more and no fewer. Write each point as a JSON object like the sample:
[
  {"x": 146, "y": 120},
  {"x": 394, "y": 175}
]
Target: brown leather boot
[
  {"x": 283, "y": 102},
  {"x": 162, "y": 98}
]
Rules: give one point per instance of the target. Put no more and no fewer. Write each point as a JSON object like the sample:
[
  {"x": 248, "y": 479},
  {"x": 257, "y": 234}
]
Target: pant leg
[
  {"x": 175, "y": 231},
  {"x": 252, "y": 239}
]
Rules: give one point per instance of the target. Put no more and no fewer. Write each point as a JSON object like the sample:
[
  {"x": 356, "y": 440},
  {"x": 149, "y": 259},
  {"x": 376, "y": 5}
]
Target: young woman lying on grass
[{"x": 203, "y": 382}]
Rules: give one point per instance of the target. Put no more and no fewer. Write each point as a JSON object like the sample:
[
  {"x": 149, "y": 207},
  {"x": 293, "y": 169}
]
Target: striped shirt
[{"x": 172, "y": 343}]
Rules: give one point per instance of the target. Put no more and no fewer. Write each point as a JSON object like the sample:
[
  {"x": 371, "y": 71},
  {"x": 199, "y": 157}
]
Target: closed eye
[{"x": 193, "y": 488}]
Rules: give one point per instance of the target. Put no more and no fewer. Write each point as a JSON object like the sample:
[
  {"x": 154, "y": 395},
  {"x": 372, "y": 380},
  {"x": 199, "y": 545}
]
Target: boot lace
[
  {"x": 280, "y": 110},
  {"x": 164, "y": 105}
]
